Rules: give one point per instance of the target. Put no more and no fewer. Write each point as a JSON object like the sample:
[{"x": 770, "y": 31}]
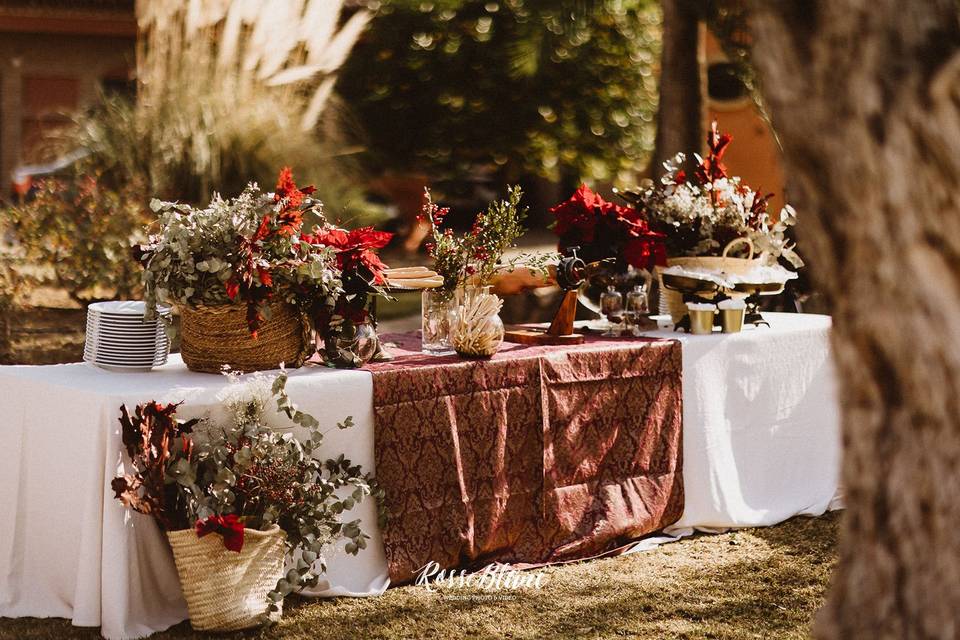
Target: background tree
[
  {"x": 682, "y": 84},
  {"x": 865, "y": 97},
  {"x": 552, "y": 88}
]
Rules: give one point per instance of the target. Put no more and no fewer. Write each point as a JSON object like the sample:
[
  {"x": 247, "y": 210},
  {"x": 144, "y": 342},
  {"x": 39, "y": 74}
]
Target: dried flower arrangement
[
  {"x": 473, "y": 258},
  {"x": 224, "y": 478},
  {"x": 700, "y": 214},
  {"x": 248, "y": 249},
  {"x": 469, "y": 263}
]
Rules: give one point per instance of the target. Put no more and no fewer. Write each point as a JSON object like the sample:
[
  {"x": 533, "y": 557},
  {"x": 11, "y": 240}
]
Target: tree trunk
[
  {"x": 680, "y": 113},
  {"x": 865, "y": 96}
]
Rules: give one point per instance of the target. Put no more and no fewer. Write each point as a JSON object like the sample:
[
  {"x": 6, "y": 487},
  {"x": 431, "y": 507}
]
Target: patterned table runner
[{"x": 542, "y": 454}]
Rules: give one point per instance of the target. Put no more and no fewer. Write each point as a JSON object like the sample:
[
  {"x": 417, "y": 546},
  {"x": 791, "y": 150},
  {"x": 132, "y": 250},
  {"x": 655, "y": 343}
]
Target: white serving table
[
  {"x": 761, "y": 444},
  {"x": 68, "y": 549},
  {"x": 761, "y": 425}
]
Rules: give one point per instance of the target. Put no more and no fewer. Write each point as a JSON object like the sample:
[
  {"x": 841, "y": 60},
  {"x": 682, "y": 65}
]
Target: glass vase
[
  {"x": 354, "y": 345},
  {"x": 478, "y": 330},
  {"x": 438, "y": 314}
]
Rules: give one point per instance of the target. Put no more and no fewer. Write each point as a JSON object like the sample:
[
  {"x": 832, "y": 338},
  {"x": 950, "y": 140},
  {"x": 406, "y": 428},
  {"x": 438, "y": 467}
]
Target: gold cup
[
  {"x": 731, "y": 320},
  {"x": 701, "y": 321}
]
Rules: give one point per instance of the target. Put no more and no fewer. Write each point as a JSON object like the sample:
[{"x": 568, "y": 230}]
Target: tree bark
[
  {"x": 865, "y": 96},
  {"x": 680, "y": 113}
]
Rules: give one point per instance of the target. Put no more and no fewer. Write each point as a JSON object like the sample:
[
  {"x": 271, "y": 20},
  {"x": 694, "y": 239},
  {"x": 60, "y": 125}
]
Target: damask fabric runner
[{"x": 542, "y": 454}]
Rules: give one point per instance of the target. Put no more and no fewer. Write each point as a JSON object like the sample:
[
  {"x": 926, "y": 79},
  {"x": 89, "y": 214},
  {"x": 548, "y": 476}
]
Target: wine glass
[
  {"x": 611, "y": 306},
  {"x": 637, "y": 307}
]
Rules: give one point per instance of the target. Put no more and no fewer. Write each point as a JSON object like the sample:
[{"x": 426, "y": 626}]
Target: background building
[{"x": 54, "y": 58}]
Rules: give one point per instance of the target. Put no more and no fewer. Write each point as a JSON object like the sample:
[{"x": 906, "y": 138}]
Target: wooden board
[{"x": 520, "y": 335}]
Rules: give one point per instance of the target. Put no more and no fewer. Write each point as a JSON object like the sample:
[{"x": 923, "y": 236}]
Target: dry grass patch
[{"x": 757, "y": 583}]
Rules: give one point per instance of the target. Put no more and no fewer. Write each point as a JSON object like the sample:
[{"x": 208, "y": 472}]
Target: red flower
[
  {"x": 264, "y": 276},
  {"x": 604, "y": 229},
  {"x": 578, "y": 216},
  {"x": 233, "y": 288},
  {"x": 228, "y": 526},
  {"x": 356, "y": 249},
  {"x": 759, "y": 207},
  {"x": 712, "y": 168},
  {"x": 291, "y": 197},
  {"x": 646, "y": 251}
]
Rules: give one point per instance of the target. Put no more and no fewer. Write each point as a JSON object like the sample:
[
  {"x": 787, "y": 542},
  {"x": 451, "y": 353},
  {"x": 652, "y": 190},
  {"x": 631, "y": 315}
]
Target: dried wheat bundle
[{"x": 478, "y": 330}]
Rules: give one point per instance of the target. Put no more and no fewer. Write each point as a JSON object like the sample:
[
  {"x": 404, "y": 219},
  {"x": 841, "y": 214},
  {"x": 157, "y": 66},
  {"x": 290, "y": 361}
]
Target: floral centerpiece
[
  {"x": 603, "y": 231},
  {"x": 714, "y": 224},
  {"x": 468, "y": 263},
  {"x": 346, "y": 329},
  {"x": 700, "y": 214},
  {"x": 241, "y": 270},
  {"x": 274, "y": 510},
  {"x": 252, "y": 274}
]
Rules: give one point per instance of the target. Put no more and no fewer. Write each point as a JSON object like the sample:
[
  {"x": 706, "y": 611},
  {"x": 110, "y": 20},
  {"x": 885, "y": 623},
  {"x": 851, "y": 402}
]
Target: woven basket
[
  {"x": 672, "y": 301},
  {"x": 226, "y": 590},
  {"x": 212, "y": 337}
]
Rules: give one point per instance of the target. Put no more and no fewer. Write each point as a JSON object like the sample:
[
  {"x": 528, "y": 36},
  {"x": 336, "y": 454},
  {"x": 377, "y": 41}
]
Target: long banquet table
[{"x": 760, "y": 444}]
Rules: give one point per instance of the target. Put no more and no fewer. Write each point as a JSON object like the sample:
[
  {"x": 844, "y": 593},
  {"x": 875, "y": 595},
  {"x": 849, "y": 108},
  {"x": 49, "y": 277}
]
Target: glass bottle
[
  {"x": 638, "y": 306},
  {"x": 611, "y": 305}
]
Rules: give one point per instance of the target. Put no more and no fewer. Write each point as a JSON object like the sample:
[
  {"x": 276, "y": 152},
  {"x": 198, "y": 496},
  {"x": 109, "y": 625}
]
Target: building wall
[{"x": 43, "y": 76}]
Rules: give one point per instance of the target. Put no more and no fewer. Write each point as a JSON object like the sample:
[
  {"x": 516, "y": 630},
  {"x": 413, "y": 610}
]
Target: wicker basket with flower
[
  {"x": 242, "y": 271},
  {"x": 249, "y": 512}
]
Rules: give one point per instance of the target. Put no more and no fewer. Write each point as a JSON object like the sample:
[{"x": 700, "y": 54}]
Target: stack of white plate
[{"x": 118, "y": 338}]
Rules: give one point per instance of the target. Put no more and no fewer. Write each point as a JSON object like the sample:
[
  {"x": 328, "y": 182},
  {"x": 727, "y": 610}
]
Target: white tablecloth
[
  {"x": 761, "y": 444},
  {"x": 761, "y": 425},
  {"x": 69, "y": 549}
]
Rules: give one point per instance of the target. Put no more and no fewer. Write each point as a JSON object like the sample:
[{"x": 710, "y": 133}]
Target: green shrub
[{"x": 83, "y": 229}]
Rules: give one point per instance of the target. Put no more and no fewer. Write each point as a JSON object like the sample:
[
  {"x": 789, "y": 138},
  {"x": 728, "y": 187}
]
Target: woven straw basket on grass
[
  {"x": 226, "y": 590},
  {"x": 212, "y": 337},
  {"x": 672, "y": 301}
]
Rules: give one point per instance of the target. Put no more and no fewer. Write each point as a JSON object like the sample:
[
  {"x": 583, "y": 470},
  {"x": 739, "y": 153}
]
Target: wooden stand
[{"x": 560, "y": 331}]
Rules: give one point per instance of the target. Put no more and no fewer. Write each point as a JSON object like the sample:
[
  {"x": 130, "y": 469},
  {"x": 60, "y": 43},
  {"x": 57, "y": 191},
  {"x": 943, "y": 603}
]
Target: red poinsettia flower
[
  {"x": 286, "y": 192},
  {"x": 604, "y": 229},
  {"x": 646, "y": 251},
  {"x": 578, "y": 216},
  {"x": 356, "y": 249},
  {"x": 228, "y": 526}
]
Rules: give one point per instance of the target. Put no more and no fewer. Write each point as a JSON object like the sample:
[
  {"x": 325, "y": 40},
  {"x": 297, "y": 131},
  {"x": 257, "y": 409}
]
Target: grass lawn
[{"x": 756, "y": 583}]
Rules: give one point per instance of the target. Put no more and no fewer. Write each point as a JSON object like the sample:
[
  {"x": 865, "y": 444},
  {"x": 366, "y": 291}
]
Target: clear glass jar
[
  {"x": 438, "y": 314},
  {"x": 478, "y": 329}
]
